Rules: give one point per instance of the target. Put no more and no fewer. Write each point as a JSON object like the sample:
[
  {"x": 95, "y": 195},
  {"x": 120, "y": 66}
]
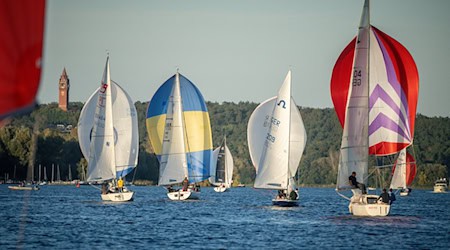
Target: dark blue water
[{"x": 75, "y": 218}]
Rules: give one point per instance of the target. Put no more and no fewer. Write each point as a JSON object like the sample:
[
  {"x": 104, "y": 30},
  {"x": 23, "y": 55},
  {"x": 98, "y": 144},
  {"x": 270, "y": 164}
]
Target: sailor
[
  {"x": 120, "y": 184},
  {"x": 352, "y": 181},
  {"x": 391, "y": 196},
  {"x": 384, "y": 197},
  {"x": 185, "y": 184}
]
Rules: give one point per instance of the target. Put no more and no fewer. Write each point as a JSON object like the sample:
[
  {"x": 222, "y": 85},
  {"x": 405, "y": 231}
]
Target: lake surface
[{"x": 57, "y": 217}]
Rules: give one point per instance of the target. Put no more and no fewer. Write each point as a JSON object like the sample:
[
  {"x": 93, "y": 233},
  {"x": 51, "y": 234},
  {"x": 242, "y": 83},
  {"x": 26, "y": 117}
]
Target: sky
[{"x": 235, "y": 50}]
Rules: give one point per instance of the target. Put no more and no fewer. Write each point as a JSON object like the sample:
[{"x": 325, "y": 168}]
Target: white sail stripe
[{"x": 385, "y": 135}]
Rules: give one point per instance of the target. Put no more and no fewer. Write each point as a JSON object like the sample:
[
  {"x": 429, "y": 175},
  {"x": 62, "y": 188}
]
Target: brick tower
[{"x": 64, "y": 86}]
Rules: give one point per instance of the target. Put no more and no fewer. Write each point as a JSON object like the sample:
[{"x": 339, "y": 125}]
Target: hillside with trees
[{"x": 55, "y": 143}]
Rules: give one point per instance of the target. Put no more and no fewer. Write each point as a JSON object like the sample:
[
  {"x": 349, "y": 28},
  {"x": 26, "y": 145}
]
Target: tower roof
[{"x": 64, "y": 74}]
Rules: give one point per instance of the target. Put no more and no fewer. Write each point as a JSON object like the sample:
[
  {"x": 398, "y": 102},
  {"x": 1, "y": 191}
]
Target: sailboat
[
  {"x": 403, "y": 172},
  {"x": 276, "y": 140},
  {"x": 374, "y": 87},
  {"x": 180, "y": 133},
  {"x": 108, "y": 137},
  {"x": 222, "y": 168}
]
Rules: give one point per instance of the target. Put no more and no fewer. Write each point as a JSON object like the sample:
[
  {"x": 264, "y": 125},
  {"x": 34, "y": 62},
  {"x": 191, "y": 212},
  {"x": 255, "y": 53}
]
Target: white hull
[
  {"x": 405, "y": 192},
  {"x": 183, "y": 195},
  {"x": 220, "y": 189},
  {"x": 118, "y": 197},
  {"x": 367, "y": 205},
  {"x": 440, "y": 189},
  {"x": 29, "y": 188}
]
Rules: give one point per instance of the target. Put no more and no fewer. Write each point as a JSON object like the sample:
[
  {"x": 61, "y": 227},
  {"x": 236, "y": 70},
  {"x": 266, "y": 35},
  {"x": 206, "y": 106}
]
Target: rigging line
[{"x": 90, "y": 184}]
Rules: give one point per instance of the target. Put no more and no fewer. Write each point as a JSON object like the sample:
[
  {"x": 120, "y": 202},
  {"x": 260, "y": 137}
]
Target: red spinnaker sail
[
  {"x": 400, "y": 65},
  {"x": 21, "y": 42}
]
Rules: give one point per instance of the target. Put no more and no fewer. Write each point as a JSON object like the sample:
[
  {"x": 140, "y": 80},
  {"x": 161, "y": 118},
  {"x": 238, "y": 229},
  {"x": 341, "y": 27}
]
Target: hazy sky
[{"x": 235, "y": 50}]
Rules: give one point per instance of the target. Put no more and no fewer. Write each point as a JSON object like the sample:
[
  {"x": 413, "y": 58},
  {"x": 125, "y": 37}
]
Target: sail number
[
  {"x": 357, "y": 77},
  {"x": 270, "y": 138},
  {"x": 271, "y": 120}
]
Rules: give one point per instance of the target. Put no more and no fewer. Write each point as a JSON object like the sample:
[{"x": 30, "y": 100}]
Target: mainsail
[
  {"x": 276, "y": 139},
  {"x": 180, "y": 132},
  {"x": 108, "y": 131},
  {"x": 374, "y": 87},
  {"x": 22, "y": 33}
]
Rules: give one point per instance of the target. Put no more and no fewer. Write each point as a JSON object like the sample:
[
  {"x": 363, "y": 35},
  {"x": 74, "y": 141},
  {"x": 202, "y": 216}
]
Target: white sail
[
  {"x": 399, "y": 177},
  {"x": 108, "y": 132},
  {"x": 126, "y": 130},
  {"x": 276, "y": 138},
  {"x": 229, "y": 165},
  {"x": 173, "y": 165},
  {"x": 355, "y": 138}
]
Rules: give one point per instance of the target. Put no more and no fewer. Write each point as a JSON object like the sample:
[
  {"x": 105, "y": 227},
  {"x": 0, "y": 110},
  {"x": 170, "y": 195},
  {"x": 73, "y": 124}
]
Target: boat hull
[
  {"x": 220, "y": 189},
  {"x": 118, "y": 197},
  {"x": 183, "y": 195},
  {"x": 367, "y": 205},
  {"x": 33, "y": 188},
  {"x": 440, "y": 189},
  {"x": 285, "y": 203}
]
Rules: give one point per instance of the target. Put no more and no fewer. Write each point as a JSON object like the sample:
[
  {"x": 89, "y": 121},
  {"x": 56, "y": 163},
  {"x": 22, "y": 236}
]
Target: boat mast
[
  {"x": 368, "y": 82},
  {"x": 177, "y": 92},
  {"x": 289, "y": 132}
]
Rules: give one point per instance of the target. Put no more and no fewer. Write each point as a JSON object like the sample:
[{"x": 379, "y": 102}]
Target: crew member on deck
[
  {"x": 185, "y": 184},
  {"x": 352, "y": 181},
  {"x": 120, "y": 184}
]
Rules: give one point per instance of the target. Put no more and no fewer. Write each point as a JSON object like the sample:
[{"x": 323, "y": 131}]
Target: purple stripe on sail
[
  {"x": 379, "y": 93},
  {"x": 383, "y": 121},
  {"x": 392, "y": 76},
  {"x": 390, "y": 71}
]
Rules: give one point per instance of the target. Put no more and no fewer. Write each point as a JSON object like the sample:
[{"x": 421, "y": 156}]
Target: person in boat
[
  {"x": 170, "y": 189},
  {"x": 281, "y": 194},
  {"x": 104, "y": 188},
  {"x": 355, "y": 184},
  {"x": 120, "y": 184},
  {"x": 293, "y": 195},
  {"x": 384, "y": 197},
  {"x": 185, "y": 184},
  {"x": 391, "y": 196}
]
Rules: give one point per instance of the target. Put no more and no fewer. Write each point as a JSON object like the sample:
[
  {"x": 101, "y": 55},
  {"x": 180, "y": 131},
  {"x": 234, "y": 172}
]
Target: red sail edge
[{"x": 21, "y": 32}]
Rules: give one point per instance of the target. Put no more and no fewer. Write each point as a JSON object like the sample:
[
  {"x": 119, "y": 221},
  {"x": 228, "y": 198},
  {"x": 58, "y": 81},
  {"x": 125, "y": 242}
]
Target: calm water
[{"x": 75, "y": 218}]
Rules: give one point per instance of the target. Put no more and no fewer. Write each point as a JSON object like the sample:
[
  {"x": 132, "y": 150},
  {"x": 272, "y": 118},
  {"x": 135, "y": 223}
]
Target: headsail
[
  {"x": 22, "y": 33},
  {"x": 276, "y": 139},
  {"x": 192, "y": 119},
  {"x": 109, "y": 142}
]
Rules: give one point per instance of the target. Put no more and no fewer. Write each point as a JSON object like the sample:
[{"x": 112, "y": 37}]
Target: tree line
[{"x": 48, "y": 137}]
